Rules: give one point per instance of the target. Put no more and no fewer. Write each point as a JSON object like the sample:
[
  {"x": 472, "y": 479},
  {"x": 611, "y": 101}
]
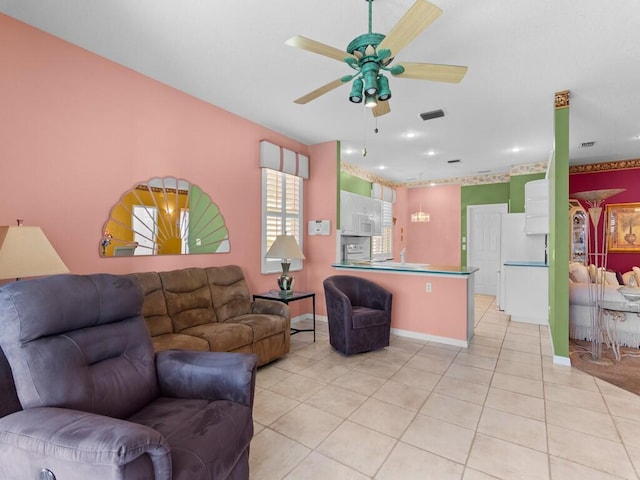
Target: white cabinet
[
  {"x": 527, "y": 293},
  {"x": 354, "y": 208},
  {"x": 536, "y": 206}
]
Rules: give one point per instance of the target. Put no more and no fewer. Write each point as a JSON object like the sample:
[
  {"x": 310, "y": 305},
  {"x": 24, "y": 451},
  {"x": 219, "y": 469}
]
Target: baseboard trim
[
  {"x": 559, "y": 360},
  {"x": 430, "y": 338}
]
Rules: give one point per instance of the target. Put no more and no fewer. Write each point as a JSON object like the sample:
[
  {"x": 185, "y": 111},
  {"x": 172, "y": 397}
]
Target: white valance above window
[
  {"x": 279, "y": 158},
  {"x": 382, "y": 192}
]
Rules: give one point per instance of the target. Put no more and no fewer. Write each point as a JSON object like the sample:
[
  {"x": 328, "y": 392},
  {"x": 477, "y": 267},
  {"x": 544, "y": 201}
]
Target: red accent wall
[{"x": 629, "y": 179}]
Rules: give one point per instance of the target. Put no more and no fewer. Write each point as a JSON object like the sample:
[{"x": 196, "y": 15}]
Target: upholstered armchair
[
  {"x": 358, "y": 312},
  {"x": 84, "y": 396}
]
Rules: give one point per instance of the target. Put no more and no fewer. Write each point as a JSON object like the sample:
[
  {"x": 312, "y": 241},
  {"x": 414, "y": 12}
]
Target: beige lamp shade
[
  {"x": 285, "y": 247},
  {"x": 26, "y": 252}
]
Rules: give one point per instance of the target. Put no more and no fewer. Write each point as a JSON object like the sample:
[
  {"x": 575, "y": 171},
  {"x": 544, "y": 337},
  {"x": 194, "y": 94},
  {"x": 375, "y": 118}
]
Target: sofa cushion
[
  {"x": 364, "y": 317},
  {"x": 579, "y": 273},
  {"x": 229, "y": 291},
  {"x": 263, "y": 326},
  {"x": 188, "y": 298},
  {"x": 154, "y": 306},
  {"x": 204, "y": 436},
  {"x": 223, "y": 337},
  {"x": 178, "y": 341}
]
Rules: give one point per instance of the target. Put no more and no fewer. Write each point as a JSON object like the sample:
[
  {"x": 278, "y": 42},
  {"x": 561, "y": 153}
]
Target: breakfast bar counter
[{"x": 430, "y": 302}]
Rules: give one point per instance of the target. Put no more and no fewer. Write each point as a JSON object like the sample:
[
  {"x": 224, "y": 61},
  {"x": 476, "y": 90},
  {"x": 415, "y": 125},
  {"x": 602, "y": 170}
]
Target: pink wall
[
  {"x": 438, "y": 241},
  {"x": 321, "y": 203},
  {"x": 77, "y": 130},
  {"x": 629, "y": 179}
]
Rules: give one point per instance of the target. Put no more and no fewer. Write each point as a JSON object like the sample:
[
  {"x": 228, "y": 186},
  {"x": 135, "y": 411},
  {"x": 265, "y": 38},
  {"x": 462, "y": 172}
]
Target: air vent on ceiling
[
  {"x": 457, "y": 160},
  {"x": 432, "y": 114},
  {"x": 483, "y": 171},
  {"x": 587, "y": 144}
]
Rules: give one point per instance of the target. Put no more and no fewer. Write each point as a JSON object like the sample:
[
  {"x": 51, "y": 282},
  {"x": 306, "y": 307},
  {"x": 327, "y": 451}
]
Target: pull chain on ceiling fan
[{"x": 371, "y": 53}]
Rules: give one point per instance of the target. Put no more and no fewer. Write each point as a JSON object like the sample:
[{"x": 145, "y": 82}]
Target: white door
[{"x": 483, "y": 245}]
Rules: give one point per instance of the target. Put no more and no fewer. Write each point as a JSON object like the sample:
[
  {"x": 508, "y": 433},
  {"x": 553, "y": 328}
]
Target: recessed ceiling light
[
  {"x": 636, "y": 137},
  {"x": 382, "y": 167},
  {"x": 516, "y": 149},
  {"x": 348, "y": 151},
  {"x": 410, "y": 135},
  {"x": 431, "y": 153}
]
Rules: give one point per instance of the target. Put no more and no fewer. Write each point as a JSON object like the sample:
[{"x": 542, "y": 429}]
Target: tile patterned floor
[{"x": 499, "y": 409}]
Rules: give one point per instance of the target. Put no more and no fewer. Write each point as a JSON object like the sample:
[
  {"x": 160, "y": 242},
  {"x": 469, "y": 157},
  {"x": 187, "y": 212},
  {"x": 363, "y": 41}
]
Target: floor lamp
[{"x": 597, "y": 254}]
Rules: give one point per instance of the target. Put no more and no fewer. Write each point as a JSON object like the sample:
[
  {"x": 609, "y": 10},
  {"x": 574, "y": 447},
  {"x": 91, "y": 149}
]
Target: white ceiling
[{"x": 232, "y": 54}]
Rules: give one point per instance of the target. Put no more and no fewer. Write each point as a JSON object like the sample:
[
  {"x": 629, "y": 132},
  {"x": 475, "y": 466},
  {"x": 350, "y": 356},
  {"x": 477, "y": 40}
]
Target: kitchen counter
[
  {"x": 526, "y": 291},
  {"x": 524, "y": 263},
  {"x": 420, "y": 268},
  {"x": 430, "y": 302}
]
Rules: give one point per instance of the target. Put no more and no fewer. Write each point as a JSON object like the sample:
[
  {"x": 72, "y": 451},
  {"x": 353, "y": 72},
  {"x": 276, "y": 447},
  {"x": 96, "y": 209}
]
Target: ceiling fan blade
[
  {"x": 433, "y": 71},
  {"x": 417, "y": 18},
  {"x": 319, "y": 91},
  {"x": 317, "y": 47},
  {"x": 381, "y": 109}
]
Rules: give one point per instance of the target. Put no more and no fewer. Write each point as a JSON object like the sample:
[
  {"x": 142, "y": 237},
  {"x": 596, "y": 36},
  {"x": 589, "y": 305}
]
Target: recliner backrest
[
  {"x": 154, "y": 305},
  {"x": 79, "y": 342},
  {"x": 188, "y": 298},
  {"x": 229, "y": 291}
]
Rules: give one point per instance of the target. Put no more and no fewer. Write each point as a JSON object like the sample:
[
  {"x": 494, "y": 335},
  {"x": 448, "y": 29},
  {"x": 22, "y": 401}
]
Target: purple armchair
[
  {"x": 84, "y": 396},
  {"x": 359, "y": 314}
]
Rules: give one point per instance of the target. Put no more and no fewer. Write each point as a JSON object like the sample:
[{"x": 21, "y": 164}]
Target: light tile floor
[{"x": 499, "y": 409}]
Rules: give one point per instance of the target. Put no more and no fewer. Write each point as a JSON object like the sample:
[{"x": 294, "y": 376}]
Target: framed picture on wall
[{"x": 623, "y": 223}]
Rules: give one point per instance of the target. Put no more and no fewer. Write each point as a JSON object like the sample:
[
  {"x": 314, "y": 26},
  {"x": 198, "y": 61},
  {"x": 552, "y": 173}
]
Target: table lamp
[
  {"x": 286, "y": 248},
  {"x": 26, "y": 252}
]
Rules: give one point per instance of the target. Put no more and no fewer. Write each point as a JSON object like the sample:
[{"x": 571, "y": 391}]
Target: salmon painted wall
[
  {"x": 629, "y": 179},
  {"x": 76, "y": 131},
  {"x": 438, "y": 241},
  {"x": 321, "y": 203}
]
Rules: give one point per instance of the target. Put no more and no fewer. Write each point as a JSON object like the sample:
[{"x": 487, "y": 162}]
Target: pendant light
[{"x": 420, "y": 216}]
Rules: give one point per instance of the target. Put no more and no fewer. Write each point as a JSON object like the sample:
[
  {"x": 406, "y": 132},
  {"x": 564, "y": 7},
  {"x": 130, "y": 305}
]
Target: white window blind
[
  {"x": 281, "y": 213},
  {"x": 382, "y": 245}
]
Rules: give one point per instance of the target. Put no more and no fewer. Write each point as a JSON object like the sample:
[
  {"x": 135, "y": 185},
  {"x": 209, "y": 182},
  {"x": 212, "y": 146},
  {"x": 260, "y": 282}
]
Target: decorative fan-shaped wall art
[{"x": 164, "y": 216}]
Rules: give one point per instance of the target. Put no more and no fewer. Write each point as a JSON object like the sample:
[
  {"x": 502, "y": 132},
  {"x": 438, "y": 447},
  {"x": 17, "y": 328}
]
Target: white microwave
[{"x": 363, "y": 225}]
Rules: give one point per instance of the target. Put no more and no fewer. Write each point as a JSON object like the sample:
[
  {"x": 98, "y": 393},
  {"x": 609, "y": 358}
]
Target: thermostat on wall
[{"x": 319, "y": 227}]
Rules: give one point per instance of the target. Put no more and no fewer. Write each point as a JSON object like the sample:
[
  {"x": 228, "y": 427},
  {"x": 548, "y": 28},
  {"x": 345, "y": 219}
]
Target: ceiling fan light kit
[{"x": 371, "y": 53}]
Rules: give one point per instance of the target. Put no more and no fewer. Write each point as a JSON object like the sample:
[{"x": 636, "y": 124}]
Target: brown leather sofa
[{"x": 211, "y": 309}]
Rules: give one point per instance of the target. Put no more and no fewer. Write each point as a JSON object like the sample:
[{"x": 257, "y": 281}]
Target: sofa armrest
[
  {"x": 43, "y": 434},
  {"x": 208, "y": 375},
  {"x": 270, "y": 307}
]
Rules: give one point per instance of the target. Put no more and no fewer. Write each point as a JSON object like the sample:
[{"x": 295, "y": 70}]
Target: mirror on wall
[{"x": 164, "y": 216}]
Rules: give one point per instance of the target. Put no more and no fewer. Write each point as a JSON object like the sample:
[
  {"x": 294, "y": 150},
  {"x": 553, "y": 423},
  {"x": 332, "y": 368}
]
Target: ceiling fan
[{"x": 371, "y": 54}]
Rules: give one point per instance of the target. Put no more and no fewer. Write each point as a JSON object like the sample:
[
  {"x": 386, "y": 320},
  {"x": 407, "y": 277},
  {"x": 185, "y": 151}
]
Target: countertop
[
  {"x": 406, "y": 267},
  {"x": 525, "y": 263}
]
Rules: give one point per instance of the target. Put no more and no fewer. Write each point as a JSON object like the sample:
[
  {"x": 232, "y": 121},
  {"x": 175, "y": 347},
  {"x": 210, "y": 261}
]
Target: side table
[
  {"x": 292, "y": 297},
  {"x": 616, "y": 311}
]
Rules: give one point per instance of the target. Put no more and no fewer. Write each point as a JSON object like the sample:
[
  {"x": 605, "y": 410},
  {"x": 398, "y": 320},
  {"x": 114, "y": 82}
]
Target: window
[
  {"x": 281, "y": 213},
  {"x": 382, "y": 245},
  {"x": 144, "y": 223}
]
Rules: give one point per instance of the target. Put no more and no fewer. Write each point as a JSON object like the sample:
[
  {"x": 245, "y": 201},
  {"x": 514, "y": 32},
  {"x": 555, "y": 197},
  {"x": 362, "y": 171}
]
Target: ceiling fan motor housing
[{"x": 360, "y": 43}]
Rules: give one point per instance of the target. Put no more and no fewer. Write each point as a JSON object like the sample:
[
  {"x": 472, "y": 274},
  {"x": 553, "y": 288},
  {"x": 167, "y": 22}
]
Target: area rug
[{"x": 625, "y": 373}]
